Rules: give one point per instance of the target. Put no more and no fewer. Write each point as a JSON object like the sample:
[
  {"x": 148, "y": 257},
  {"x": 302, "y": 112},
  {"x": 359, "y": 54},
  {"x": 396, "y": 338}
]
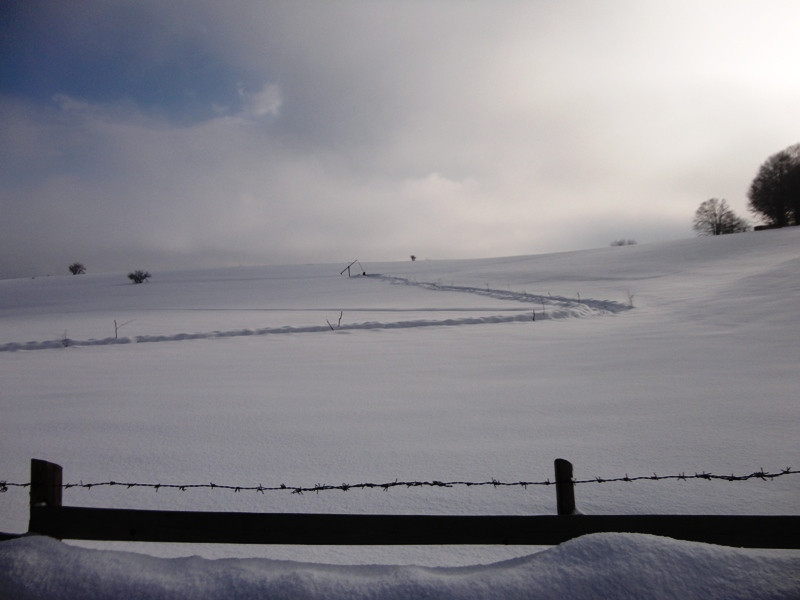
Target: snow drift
[{"x": 608, "y": 566}]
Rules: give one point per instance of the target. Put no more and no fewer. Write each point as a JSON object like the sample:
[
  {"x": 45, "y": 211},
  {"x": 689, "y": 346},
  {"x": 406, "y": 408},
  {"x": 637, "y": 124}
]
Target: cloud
[
  {"x": 266, "y": 102},
  {"x": 206, "y": 134}
]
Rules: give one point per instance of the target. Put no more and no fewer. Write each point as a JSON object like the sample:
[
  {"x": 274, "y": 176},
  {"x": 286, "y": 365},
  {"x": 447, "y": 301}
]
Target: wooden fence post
[
  {"x": 45, "y": 483},
  {"x": 565, "y": 488}
]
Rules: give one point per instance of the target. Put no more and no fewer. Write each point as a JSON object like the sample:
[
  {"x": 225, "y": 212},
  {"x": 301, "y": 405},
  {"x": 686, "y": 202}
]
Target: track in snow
[
  {"x": 552, "y": 307},
  {"x": 586, "y": 307}
]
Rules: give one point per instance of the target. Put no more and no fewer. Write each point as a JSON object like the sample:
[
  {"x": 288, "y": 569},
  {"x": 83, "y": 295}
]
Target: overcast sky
[{"x": 160, "y": 135}]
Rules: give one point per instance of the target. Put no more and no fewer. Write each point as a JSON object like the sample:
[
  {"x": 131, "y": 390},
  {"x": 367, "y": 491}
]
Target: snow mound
[{"x": 607, "y": 565}]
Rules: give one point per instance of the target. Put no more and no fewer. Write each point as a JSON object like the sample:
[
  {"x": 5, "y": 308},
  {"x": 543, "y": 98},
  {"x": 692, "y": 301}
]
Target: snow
[
  {"x": 437, "y": 371},
  {"x": 609, "y": 565}
]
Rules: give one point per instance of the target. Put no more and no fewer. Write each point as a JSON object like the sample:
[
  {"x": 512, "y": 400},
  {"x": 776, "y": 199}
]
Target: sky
[{"x": 190, "y": 134}]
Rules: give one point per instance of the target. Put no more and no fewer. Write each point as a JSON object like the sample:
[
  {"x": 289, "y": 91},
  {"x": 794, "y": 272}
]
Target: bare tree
[
  {"x": 714, "y": 217},
  {"x": 77, "y": 269}
]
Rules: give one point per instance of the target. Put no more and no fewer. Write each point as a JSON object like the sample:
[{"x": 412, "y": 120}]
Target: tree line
[{"x": 774, "y": 198}]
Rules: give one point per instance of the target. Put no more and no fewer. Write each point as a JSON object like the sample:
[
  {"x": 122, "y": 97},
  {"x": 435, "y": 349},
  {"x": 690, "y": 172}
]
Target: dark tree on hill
[
  {"x": 714, "y": 217},
  {"x": 775, "y": 192},
  {"x": 77, "y": 269}
]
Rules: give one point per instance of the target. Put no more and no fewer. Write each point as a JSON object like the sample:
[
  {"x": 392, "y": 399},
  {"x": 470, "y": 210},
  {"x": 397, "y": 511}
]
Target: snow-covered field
[{"x": 436, "y": 371}]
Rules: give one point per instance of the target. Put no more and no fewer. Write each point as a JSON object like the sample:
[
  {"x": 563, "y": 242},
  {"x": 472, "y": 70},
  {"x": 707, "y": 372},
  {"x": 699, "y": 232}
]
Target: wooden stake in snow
[
  {"x": 116, "y": 327},
  {"x": 338, "y": 325}
]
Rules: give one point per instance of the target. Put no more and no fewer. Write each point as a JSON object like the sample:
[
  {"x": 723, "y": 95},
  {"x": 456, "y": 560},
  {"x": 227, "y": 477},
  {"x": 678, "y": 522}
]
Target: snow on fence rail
[{"x": 49, "y": 517}]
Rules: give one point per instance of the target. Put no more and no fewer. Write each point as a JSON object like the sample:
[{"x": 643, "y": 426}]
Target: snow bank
[{"x": 607, "y": 566}]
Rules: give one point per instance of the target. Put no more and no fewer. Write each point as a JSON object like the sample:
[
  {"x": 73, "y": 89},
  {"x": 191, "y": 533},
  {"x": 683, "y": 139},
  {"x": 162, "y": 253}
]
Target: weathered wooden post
[
  {"x": 565, "y": 488},
  {"x": 45, "y": 483}
]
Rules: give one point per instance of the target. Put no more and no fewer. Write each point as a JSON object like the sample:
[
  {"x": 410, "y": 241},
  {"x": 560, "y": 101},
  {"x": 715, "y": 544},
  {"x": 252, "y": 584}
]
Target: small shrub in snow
[
  {"x": 139, "y": 276},
  {"x": 77, "y": 269}
]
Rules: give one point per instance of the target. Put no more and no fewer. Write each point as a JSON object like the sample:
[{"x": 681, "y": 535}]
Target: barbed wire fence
[{"x": 386, "y": 486}]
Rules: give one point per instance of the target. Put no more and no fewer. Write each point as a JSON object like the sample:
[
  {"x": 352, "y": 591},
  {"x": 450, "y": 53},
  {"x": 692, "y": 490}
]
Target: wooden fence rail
[{"x": 49, "y": 517}]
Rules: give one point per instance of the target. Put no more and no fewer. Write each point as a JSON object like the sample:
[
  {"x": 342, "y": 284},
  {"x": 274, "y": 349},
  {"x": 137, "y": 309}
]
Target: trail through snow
[{"x": 552, "y": 307}]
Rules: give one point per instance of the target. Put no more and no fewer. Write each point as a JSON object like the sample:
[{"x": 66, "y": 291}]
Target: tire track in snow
[{"x": 559, "y": 308}]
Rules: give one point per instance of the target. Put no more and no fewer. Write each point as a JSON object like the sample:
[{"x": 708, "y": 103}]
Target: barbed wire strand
[{"x": 761, "y": 475}]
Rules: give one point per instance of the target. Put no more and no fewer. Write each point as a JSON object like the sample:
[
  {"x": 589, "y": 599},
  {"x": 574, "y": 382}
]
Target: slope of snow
[{"x": 436, "y": 371}]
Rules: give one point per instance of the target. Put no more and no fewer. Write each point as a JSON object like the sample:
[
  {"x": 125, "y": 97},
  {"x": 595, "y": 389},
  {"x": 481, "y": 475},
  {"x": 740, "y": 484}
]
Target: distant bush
[
  {"x": 623, "y": 243},
  {"x": 139, "y": 276},
  {"x": 77, "y": 269}
]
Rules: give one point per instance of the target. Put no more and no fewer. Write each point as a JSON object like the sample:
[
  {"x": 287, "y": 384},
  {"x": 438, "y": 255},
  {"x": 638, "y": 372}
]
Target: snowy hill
[{"x": 664, "y": 358}]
